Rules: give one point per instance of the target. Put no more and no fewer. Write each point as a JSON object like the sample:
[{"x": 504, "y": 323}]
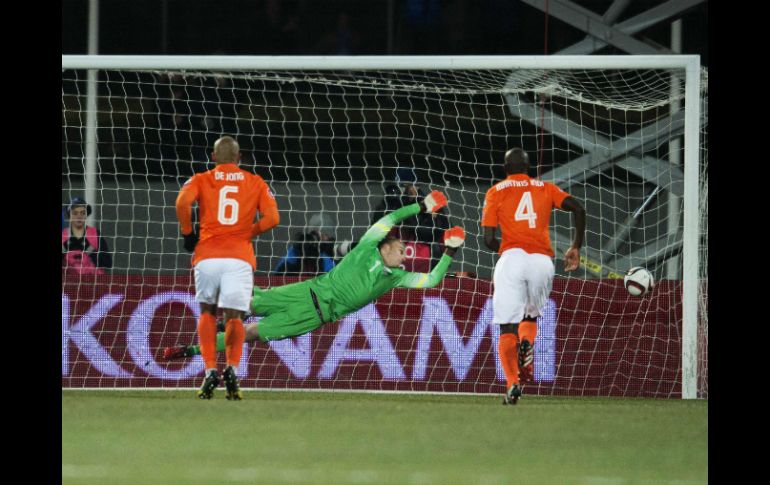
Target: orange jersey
[
  {"x": 228, "y": 201},
  {"x": 522, "y": 206}
]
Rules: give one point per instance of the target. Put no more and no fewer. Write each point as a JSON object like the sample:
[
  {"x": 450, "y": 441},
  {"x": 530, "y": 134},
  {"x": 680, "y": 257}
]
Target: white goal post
[{"x": 566, "y": 119}]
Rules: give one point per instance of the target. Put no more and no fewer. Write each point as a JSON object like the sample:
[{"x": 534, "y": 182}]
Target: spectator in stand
[
  {"x": 315, "y": 250},
  {"x": 421, "y": 234},
  {"x": 83, "y": 249}
]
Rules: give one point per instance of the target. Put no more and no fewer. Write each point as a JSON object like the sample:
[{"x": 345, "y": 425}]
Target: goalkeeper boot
[
  {"x": 526, "y": 361},
  {"x": 513, "y": 395},
  {"x": 231, "y": 384},
  {"x": 172, "y": 353},
  {"x": 209, "y": 384}
]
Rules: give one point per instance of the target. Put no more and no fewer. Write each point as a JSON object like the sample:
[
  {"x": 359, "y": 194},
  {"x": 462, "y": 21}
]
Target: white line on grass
[
  {"x": 597, "y": 480},
  {"x": 280, "y": 474},
  {"x": 330, "y": 391},
  {"x": 83, "y": 471}
]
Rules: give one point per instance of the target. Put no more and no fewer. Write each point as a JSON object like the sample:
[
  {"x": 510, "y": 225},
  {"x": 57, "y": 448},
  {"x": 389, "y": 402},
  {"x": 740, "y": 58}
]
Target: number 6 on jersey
[{"x": 224, "y": 203}]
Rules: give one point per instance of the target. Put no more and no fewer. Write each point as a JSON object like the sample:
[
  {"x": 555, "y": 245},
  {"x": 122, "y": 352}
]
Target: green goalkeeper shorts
[{"x": 287, "y": 311}]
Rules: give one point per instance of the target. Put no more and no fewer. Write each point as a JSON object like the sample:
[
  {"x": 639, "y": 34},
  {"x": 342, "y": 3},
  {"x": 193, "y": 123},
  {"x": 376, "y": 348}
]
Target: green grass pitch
[{"x": 154, "y": 437}]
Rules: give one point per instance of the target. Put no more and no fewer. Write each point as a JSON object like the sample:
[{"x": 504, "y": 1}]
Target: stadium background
[{"x": 128, "y": 150}]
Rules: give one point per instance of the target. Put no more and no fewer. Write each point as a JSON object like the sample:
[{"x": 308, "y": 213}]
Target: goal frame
[{"x": 689, "y": 63}]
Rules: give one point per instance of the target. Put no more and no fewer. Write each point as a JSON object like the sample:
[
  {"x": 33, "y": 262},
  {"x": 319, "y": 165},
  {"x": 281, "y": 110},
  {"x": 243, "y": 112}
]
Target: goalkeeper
[{"x": 369, "y": 271}]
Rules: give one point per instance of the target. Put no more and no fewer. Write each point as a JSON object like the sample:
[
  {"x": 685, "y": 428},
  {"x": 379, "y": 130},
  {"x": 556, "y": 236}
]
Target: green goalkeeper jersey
[{"x": 362, "y": 277}]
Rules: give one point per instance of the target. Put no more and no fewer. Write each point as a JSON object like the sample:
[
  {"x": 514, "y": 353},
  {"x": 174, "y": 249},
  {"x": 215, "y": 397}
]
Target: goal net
[{"x": 334, "y": 137}]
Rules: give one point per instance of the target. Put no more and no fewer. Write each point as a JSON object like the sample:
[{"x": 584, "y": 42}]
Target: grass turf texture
[{"x": 153, "y": 437}]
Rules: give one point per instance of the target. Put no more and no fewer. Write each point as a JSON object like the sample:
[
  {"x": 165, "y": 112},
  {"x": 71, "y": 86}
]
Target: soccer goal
[{"x": 625, "y": 135}]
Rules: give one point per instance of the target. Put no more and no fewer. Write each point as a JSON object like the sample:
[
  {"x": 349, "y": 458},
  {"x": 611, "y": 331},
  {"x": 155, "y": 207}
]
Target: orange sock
[
  {"x": 207, "y": 338},
  {"x": 528, "y": 331},
  {"x": 508, "y": 350},
  {"x": 235, "y": 335}
]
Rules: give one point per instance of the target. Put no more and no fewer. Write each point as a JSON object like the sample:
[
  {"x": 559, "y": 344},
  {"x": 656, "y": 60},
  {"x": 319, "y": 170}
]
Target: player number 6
[{"x": 224, "y": 202}]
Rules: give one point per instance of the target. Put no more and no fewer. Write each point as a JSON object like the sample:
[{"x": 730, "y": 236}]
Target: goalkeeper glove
[
  {"x": 454, "y": 237},
  {"x": 434, "y": 201},
  {"x": 190, "y": 240}
]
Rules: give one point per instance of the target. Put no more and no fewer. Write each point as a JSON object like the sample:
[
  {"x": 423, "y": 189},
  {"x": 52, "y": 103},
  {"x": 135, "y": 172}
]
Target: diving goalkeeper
[{"x": 368, "y": 271}]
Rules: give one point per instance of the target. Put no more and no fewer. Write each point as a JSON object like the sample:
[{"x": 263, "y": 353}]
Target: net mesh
[{"x": 330, "y": 143}]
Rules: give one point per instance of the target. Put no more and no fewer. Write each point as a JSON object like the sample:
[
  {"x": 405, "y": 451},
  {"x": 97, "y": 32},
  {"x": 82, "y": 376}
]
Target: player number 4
[
  {"x": 224, "y": 203},
  {"x": 525, "y": 211}
]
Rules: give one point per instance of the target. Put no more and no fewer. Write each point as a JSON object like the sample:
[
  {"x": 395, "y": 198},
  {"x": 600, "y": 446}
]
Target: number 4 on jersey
[{"x": 525, "y": 211}]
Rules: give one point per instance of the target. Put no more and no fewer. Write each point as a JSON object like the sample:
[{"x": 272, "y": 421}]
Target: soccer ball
[{"x": 638, "y": 281}]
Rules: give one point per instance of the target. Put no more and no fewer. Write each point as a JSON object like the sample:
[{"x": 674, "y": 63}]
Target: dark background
[
  {"x": 168, "y": 138},
  {"x": 314, "y": 27},
  {"x": 309, "y": 27}
]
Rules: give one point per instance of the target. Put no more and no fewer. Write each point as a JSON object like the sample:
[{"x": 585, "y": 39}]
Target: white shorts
[
  {"x": 522, "y": 285},
  {"x": 225, "y": 282}
]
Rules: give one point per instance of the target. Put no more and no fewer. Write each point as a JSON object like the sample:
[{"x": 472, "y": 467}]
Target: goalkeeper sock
[
  {"x": 235, "y": 335},
  {"x": 528, "y": 331},
  {"x": 508, "y": 350},
  {"x": 207, "y": 335},
  {"x": 196, "y": 349}
]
